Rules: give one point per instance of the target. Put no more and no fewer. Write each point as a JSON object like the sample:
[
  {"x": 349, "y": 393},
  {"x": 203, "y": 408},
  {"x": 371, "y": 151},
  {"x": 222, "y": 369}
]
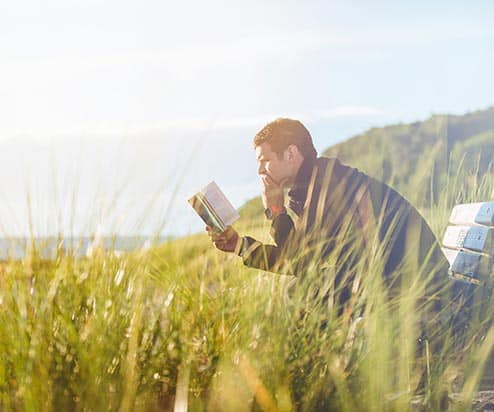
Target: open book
[{"x": 213, "y": 207}]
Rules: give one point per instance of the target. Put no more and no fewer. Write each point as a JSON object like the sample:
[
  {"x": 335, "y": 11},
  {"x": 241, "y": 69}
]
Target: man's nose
[{"x": 261, "y": 170}]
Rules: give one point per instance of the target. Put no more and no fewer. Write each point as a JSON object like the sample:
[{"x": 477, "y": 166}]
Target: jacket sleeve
[{"x": 269, "y": 257}]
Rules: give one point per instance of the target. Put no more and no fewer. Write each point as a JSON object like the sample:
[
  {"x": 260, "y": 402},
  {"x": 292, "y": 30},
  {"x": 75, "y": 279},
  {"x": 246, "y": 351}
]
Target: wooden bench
[{"x": 469, "y": 242}]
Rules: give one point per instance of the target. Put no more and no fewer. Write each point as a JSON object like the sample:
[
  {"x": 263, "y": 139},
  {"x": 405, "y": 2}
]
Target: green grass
[{"x": 185, "y": 323}]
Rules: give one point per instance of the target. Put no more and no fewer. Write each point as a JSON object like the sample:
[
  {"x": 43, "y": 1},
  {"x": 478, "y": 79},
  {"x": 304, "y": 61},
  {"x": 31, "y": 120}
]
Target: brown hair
[{"x": 281, "y": 133}]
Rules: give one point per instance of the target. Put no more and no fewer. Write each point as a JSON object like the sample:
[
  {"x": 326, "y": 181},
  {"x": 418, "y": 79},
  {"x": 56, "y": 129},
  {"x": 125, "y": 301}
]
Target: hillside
[{"x": 416, "y": 158}]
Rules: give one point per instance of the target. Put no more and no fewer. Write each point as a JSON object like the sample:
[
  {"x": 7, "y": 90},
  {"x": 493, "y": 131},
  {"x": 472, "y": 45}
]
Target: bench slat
[
  {"x": 476, "y": 238},
  {"x": 468, "y": 266},
  {"x": 473, "y": 214}
]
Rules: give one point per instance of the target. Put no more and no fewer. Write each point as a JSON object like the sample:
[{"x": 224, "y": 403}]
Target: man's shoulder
[
  {"x": 353, "y": 175},
  {"x": 332, "y": 161},
  {"x": 335, "y": 166},
  {"x": 341, "y": 168},
  {"x": 323, "y": 162}
]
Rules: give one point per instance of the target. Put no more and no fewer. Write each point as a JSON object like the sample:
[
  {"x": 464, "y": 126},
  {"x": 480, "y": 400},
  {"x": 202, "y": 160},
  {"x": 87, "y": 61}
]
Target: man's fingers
[
  {"x": 223, "y": 240},
  {"x": 220, "y": 244},
  {"x": 217, "y": 237},
  {"x": 213, "y": 234},
  {"x": 267, "y": 181},
  {"x": 229, "y": 232}
]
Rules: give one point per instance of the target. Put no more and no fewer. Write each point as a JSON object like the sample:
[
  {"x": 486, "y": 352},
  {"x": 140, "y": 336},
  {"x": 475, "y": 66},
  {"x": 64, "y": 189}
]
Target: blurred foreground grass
[{"x": 184, "y": 326}]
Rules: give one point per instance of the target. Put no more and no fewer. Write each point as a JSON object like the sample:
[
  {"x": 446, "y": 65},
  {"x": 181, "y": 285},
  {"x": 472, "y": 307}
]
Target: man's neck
[
  {"x": 298, "y": 190},
  {"x": 294, "y": 180}
]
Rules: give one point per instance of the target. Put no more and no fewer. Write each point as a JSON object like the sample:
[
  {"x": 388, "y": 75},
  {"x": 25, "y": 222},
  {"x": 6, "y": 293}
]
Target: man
[
  {"x": 336, "y": 207},
  {"x": 347, "y": 229}
]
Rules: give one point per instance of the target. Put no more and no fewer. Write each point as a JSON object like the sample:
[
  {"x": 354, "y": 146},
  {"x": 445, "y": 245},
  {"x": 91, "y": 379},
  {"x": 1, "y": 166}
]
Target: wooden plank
[
  {"x": 476, "y": 238},
  {"x": 473, "y": 214},
  {"x": 468, "y": 266}
]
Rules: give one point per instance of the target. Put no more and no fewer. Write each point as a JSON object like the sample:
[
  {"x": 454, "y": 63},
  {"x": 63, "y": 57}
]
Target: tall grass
[{"x": 185, "y": 326}]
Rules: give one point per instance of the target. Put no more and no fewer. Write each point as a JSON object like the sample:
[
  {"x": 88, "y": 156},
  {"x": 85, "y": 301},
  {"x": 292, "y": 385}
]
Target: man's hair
[{"x": 281, "y": 133}]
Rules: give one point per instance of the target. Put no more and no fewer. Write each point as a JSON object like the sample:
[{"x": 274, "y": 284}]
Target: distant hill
[{"x": 417, "y": 158}]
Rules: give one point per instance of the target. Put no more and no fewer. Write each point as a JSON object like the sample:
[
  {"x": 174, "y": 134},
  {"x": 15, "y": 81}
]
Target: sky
[{"x": 112, "y": 111}]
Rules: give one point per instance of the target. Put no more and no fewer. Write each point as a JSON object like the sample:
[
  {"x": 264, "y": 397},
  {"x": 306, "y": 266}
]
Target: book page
[
  {"x": 220, "y": 204},
  {"x": 213, "y": 207}
]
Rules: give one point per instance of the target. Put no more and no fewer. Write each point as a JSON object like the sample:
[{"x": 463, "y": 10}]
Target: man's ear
[{"x": 292, "y": 151}]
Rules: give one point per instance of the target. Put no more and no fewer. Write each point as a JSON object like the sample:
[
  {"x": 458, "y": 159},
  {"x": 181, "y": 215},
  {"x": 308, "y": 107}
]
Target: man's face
[{"x": 278, "y": 168}]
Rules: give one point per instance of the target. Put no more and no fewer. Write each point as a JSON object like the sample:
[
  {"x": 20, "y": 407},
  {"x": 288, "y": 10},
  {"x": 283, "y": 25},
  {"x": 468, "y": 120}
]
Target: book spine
[{"x": 219, "y": 223}]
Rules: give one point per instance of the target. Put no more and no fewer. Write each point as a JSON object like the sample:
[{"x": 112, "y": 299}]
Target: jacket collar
[{"x": 298, "y": 193}]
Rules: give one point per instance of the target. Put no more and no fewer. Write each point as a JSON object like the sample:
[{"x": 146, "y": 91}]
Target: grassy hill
[{"x": 417, "y": 158}]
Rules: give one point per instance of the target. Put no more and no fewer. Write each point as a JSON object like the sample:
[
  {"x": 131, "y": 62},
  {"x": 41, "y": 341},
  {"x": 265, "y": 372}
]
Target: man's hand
[
  {"x": 272, "y": 193},
  {"x": 227, "y": 241}
]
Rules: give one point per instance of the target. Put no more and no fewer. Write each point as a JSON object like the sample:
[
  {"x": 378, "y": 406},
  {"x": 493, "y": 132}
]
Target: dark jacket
[{"x": 340, "y": 214}]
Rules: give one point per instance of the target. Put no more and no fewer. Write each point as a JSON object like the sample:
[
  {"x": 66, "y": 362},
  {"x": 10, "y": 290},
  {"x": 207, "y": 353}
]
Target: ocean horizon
[{"x": 48, "y": 247}]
